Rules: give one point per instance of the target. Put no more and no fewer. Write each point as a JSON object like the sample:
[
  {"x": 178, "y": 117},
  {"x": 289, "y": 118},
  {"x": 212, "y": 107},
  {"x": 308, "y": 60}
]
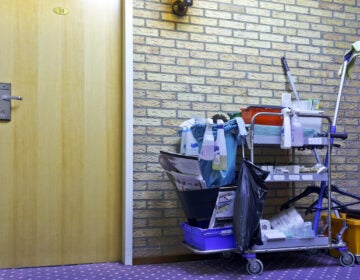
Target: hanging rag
[
  {"x": 350, "y": 56},
  {"x": 241, "y": 137}
]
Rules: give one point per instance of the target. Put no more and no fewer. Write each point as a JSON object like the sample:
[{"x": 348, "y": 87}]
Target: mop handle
[
  {"x": 340, "y": 92},
  {"x": 286, "y": 67},
  {"x": 287, "y": 70},
  {"x": 347, "y": 58}
]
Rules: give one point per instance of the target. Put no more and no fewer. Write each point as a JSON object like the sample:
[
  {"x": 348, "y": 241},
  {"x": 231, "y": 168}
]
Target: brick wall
[{"x": 222, "y": 56}]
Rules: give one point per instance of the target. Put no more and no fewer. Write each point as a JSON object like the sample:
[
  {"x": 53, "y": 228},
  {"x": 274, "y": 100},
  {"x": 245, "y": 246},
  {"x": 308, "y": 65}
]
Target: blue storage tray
[{"x": 209, "y": 239}]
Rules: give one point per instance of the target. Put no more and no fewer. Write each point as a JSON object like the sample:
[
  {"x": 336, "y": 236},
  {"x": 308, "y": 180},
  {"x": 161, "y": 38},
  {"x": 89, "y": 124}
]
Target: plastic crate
[
  {"x": 351, "y": 236},
  {"x": 250, "y": 111},
  {"x": 209, "y": 239}
]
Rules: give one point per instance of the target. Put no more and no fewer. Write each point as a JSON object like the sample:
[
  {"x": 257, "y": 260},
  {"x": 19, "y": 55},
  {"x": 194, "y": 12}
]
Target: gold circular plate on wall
[{"x": 61, "y": 11}]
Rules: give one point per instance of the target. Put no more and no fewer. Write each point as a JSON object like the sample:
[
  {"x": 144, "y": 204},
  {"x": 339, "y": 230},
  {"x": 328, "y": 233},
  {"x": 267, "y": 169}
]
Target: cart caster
[
  {"x": 313, "y": 252},
  {"x": 254, "y": 267},
  {"x": 347, "y": 259},
  {"x": 227, "y": 256}
]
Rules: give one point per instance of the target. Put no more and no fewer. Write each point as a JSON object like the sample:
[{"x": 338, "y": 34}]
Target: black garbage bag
[{"x": 248, "y": 205}]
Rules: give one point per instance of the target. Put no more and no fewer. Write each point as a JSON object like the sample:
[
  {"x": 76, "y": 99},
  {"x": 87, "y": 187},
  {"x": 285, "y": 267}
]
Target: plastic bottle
[
  {"x": 297, "y": 134},
  {"x": 183, "y": 141},
  {"x": 307, "y": 231},
  {"x": 286, "y": 130},
  {"x": 286, "y": 100},
  {"x": 192, "y": 147},
  {"x": 220, "y": 152},
  {"x": 207, "y": 148}
]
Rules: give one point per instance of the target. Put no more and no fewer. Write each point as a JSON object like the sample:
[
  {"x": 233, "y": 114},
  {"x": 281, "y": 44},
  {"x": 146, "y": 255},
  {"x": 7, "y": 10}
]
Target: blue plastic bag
[{"x": 216, "y": 178}]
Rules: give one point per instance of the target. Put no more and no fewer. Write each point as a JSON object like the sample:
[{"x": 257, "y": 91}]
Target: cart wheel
[
  {"x": 358, "y": 259},
  {"x": 254, "y": 267},
  {"x": 227, "y": 256},
  {"x": 313, "y": 252},
  {"x": 347, "y": 259}
]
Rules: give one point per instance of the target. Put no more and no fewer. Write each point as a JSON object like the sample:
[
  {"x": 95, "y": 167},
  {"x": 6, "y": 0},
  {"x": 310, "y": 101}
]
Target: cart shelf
[
  {"x": 290, "y": 244},
  {"x": 275, "y": 140},
  {"x": 294, "y": 177}
]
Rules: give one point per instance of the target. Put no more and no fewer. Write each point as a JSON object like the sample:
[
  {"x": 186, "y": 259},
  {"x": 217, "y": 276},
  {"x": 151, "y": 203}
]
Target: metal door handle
[
  {"x": 10, "y": 97},
  {"x": 5, "y": 101}
]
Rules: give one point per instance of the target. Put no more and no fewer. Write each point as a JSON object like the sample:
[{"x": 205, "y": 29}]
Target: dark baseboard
[{"x": 169, "y": 259}]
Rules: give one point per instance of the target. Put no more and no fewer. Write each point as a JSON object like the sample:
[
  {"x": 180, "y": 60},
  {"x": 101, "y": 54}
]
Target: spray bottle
[
  {"x": 220, "y": 157},
  {"x": 192, "y": 147},
  {"x": 297, "y": 134},
  {"x": 286, "y": 129},
  {"x": 207, "y": 148}
]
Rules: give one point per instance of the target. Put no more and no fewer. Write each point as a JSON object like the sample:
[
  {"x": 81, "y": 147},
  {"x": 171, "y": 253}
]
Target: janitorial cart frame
[{"x": 318, "y": 241}]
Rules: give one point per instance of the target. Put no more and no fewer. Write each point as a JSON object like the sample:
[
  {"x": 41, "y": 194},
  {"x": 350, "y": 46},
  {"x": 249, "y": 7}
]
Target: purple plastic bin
[{"x": 209, "y": 239}]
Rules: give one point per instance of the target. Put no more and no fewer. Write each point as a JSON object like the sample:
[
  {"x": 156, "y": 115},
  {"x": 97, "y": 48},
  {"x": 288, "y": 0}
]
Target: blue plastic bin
[{"x": 209, "y": 239}]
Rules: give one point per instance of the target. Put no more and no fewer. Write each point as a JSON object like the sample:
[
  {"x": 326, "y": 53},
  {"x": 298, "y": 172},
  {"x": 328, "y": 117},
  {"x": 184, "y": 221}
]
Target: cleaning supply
[
  {"x": 220, "y": 152},
  {"x": 207, "y": 148},
  {"x": 183, "y": 129},
  {"x": 183, "y": 141},
  {"x": 286, "y": 129},
  {"x": 350, "y": 56},
  {"x": 297, "y": 133},
  {"x": 192, "y": 147},
  {"x": 286, "y": 100}
]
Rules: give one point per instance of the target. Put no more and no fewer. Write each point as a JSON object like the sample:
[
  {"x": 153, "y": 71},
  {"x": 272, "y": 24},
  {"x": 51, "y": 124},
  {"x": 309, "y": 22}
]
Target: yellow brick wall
[{"x": 222, "y": 56}]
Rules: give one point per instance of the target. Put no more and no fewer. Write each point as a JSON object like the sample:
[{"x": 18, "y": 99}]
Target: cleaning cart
[{"x": 244, "y": 235}]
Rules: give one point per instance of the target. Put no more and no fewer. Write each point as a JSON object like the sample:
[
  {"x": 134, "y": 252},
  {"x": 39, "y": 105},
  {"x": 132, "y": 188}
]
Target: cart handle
[{"x": 339, "y": 135}]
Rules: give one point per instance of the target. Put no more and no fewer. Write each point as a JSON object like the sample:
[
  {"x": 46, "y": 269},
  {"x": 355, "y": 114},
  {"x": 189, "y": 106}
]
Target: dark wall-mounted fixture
[{"x": 180, "y": 7}]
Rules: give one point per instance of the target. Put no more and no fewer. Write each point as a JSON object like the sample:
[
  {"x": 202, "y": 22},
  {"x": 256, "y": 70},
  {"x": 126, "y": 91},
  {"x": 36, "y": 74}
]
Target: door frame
[{"x": 127, "y": 141}]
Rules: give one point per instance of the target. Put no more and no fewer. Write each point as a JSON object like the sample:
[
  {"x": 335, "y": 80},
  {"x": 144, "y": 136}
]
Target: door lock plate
[
  {"x": 5, "y": 104},
  {"x": 5, "y": 101}
]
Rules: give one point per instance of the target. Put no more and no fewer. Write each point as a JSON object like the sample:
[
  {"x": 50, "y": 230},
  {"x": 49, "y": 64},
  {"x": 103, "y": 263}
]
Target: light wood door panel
[{"x": 60, "y": 186}]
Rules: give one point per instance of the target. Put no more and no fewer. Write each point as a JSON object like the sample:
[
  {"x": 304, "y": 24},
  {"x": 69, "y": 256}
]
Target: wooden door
[{"x": 60, "y": 181}]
